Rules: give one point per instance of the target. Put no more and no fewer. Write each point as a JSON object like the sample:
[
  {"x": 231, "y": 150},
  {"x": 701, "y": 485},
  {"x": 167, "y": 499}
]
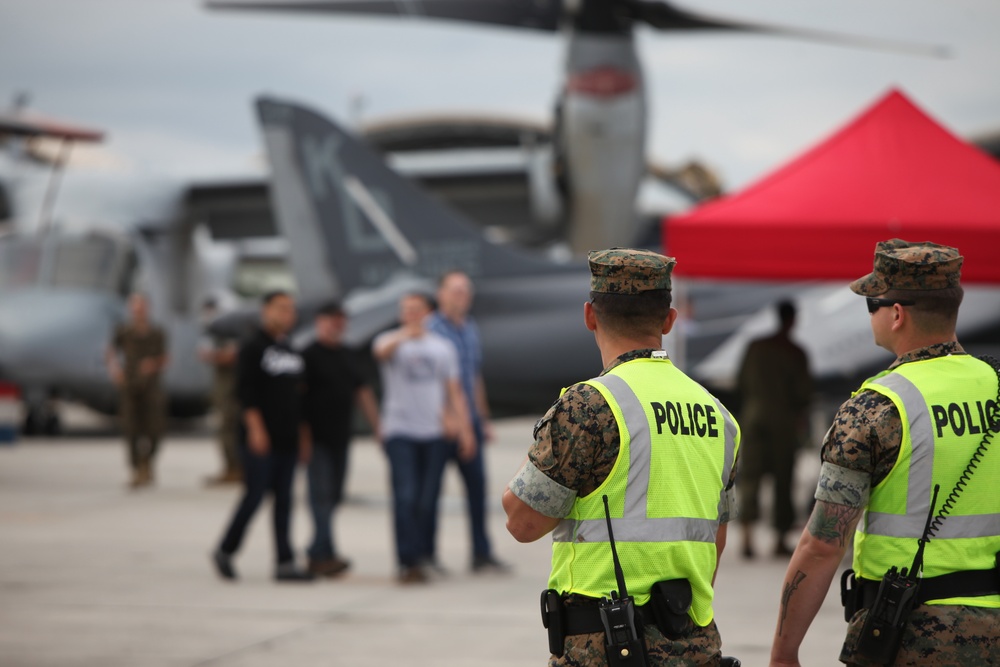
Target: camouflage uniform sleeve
[
  {"x": 860, "y": 449},
  {"x": 728, "y": 508},
  {"x": 541, "y": 493},
  {"x": 576, "y": 442}
]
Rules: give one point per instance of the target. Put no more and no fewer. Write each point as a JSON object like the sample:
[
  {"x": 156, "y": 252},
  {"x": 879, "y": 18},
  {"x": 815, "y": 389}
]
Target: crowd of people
[{"x": 279, "y": 406}]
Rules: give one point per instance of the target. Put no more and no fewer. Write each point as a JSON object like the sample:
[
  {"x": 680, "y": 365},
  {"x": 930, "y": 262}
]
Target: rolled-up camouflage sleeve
[
  {"x": 541, "y": 493},
  {"x": 843, "y": 486},
  {"x": 576, "y": 442},
  {"x": 728, "y": 507},
  {"x": 860, "y": 449}
]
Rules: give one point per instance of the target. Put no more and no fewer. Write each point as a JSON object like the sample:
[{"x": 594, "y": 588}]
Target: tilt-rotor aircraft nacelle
[{"x": 600, "y": 119}]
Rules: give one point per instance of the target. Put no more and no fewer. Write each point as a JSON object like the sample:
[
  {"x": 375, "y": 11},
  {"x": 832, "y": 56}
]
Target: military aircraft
[
  {"x": 597, "y": 157},
  {"x": 63, "y": 288},
  {"x": 358, "y": 230},
  {"x": 62, "y": 291}
]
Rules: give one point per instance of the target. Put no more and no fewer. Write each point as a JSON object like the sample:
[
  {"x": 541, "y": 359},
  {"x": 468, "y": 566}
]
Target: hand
[
  {"x": 259, "y": 442},
  {"x": 488, "y": 433},
  {"x": 785, "y": 663},
  {"x": 450, "y": 425},
  {"x": 305, "y": 452},
  {"x": 117, "y": 377},
  {"x": 466, "y": 445},
  {"x": 148, "y": 366}
]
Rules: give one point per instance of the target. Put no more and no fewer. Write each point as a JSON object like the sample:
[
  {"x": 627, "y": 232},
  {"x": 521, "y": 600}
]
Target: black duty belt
[
  {"x": 585, "y": 619},
  {"x": 965, "y": 584}
]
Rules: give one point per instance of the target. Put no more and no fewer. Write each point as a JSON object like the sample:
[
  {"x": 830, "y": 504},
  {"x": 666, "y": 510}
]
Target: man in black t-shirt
[
  {"x": 333, "y": 384},
  {"x": 268, "y": 387}
]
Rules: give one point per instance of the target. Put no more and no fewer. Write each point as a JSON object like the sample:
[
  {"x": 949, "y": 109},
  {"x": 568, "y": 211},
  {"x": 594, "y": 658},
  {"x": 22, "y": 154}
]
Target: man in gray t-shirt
[{"x": 420, "y": 385}]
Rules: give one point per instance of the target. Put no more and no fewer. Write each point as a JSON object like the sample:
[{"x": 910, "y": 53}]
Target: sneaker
[
  {"x": 224, "y": 564},
  {"x": 413, "y": 574},
  {"x": 223, "y": 478},
  {"x": 489, "y": 565},
  {"x": 288, "y": 572},
  {"x": 330, "y": 567},
  {"x": 434, "y": 567}
]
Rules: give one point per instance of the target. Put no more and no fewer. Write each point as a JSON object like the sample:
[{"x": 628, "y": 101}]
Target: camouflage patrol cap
[
  {"x": 628, "y": 271},
  {"x": 900, "y": 265}
]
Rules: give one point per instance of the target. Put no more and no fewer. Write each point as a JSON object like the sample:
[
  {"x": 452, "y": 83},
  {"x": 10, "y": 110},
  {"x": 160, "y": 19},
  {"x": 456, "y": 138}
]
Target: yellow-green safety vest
[
  {"x": 944, "y": 404},
  {"x": 678, "y": 445}
]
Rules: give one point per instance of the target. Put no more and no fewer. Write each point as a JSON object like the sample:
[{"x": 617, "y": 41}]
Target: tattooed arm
[
  {"x": 810, "y": 572},
  {"x": 860, "y": 447}
]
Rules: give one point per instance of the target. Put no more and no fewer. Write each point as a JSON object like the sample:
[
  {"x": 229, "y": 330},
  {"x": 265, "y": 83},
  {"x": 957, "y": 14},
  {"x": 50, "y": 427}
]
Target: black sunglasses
[{"x": 874, "y": 303}]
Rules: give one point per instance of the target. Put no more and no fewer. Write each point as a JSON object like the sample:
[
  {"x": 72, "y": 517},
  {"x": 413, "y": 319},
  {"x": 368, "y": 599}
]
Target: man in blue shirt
[{"x": 452, "y": 321}]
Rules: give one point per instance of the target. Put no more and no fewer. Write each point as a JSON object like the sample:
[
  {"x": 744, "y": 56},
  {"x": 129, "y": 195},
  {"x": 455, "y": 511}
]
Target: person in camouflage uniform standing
[
  {"x": 136, "y": 358},
  {"x": 220, "y": 352},
  {"x": 915, "y": 425},
  {"x": 659, "y": 448},
  {"x": 775, "y": 389}
]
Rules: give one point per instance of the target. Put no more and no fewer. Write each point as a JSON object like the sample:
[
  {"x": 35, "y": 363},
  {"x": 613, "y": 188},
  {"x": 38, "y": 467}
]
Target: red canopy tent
[{"x": 891, "y": 173}]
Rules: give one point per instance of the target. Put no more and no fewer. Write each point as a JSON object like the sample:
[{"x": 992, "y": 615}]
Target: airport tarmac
[{"x": 95, "y": 575}]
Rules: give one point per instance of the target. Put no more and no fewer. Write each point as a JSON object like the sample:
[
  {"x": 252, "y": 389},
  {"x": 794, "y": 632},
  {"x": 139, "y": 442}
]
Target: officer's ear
[
  {"x": 589, "y": 316},
  {"x": 668, "y": 323}
]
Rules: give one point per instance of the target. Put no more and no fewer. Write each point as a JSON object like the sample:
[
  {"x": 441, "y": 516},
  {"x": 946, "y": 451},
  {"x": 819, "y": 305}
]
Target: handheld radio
[{"x": 625, "y": 645}]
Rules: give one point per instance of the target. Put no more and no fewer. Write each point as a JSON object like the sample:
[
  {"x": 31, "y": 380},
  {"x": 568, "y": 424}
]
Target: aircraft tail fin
[{"x": 352, "y": 222}]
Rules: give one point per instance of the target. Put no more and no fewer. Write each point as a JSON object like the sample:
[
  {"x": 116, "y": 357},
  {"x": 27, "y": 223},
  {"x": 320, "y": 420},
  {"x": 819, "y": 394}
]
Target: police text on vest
[{"x": 685, "y": 418}]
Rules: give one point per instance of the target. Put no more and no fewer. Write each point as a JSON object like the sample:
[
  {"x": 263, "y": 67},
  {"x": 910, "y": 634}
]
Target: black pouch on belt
[
  {"x": 671, "y": 602},
  {"x": 850, "y": 594},
  {"x": 554, "y": 620}
]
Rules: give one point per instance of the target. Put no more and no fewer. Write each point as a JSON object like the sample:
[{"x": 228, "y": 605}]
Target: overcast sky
[{"x": 173, "y": 83}]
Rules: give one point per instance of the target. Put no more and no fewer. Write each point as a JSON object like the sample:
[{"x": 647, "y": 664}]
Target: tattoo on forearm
[
  {"x": 831, "y": 523},
  {"x": 786, "y": 597}
]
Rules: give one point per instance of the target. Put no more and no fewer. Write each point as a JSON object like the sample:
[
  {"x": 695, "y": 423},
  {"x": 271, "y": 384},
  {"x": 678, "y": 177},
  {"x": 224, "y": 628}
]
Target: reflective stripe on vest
[
  {"x": 634, "y": 526},
  {"x": 919, "y": 478}
]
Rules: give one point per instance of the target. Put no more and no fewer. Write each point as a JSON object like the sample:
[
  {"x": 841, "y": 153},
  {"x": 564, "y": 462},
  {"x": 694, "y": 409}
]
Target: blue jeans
[
  {"x": 272, "y": 472},
  {"x": 474, "y": 478},
  {"x": 416, "y": 467},
  {"x": 327, "y": 470}
]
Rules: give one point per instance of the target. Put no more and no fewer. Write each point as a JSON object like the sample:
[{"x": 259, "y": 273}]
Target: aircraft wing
[{"x": 833, "y": 327}]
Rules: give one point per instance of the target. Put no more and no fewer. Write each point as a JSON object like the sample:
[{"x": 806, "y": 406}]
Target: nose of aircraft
[{"x": 48, "y": 336}]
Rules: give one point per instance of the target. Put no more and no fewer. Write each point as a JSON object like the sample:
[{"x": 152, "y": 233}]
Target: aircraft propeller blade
[
  {"x": 547, "y": 15},
  {"x": 533, "y": 14},
  {"x": 664, "y": 16},
  {"x": 33, "y": 125}
]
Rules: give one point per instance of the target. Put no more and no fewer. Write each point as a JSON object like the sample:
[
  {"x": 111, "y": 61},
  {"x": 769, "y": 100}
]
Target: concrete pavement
[{"x": 95, "y": 575}]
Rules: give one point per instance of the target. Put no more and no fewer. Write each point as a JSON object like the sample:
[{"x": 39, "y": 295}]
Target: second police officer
[{"x": 662, "y": 451}]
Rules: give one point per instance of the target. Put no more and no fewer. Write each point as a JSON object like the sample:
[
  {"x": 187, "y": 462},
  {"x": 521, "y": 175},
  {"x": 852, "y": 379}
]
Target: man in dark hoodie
[{"x": 268, "y": 386}]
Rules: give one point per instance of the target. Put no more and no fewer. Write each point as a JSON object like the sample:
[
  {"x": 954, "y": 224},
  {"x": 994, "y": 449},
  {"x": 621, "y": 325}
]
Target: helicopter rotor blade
[
  {"x": 531, "y": 14},
  {"x": 664, "y": 16}
]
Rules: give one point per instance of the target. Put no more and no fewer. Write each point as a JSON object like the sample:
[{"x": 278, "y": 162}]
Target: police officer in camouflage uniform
[
  {"x": 662, "y": 450},
  {"x": 136, "y": 358},
  {"x": 906, "y": 430}
]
